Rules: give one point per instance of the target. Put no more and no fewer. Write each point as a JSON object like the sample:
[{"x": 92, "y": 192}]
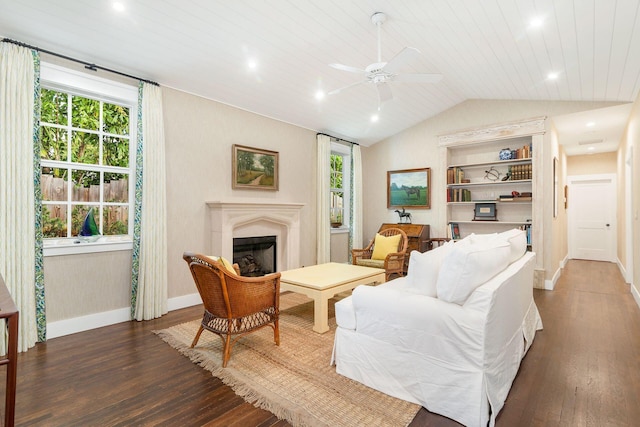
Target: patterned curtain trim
[
  {"x": 137, "y": 220},
  {"x": 41, "y": 314},
  {"x": 351, "y": 199}
]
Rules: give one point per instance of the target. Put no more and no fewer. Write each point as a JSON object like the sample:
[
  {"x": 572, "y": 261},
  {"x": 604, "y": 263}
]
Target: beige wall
[
  {"x": 631, "y": 144},
  {"x": 592, "y": 164},
  {"x": 417, "y": 147},
  {"x": 339, "y": 247},
  {"x": 199, "y": 134}
]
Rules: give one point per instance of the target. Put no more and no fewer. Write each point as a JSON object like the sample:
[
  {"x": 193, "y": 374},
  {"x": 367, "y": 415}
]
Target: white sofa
[{"x": 451, "y": 334}]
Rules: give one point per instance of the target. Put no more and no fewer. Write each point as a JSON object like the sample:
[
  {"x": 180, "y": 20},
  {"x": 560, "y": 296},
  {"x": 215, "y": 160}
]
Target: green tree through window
[{"x": 85, "y": 152}]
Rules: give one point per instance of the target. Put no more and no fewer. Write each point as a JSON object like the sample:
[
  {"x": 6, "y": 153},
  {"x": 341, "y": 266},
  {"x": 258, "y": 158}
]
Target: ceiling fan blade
[
  {"x": 404, "y": 57},
  {"x": 346, "y": 68},
  {"x": 335, "y": 91},
  {"x": 384, "y": 92},
  {"x": 417, "y": 78}
]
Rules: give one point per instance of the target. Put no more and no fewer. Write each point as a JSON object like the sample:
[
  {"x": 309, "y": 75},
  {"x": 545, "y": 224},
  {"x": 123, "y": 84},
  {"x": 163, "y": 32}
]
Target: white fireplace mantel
[{"x": 251, "y": 219}]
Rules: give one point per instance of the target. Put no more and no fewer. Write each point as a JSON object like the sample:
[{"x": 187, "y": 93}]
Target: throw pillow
[
  {"x": 517, "y": 240},
  {"x": 422, "y": 274},
  {"x": 383, "y": 246},
  {"x": 469, "y": 266},
  {"x": 225, "y": 263}
]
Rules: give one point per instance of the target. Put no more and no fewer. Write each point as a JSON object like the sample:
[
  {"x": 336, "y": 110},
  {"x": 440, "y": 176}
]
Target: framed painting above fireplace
[{"x": 254, "y": 168}]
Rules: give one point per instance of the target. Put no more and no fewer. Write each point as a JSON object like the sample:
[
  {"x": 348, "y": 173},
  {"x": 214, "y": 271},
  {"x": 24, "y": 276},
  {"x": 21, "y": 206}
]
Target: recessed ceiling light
[
  {"x": 536, "y": 22},
  {"x": 320, "y": 95},
  {"x": 591, "y": 148},
  {"x": 252, "y": 64},
  {"x": 590, "y": 124},
  {"x": 118, "y": 6},
  {"x": 374, "y": 118},
  {"x": 552, "y": 76}
]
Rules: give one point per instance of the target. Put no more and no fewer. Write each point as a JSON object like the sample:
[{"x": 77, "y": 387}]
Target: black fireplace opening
[{"x": 256, "y": 256}]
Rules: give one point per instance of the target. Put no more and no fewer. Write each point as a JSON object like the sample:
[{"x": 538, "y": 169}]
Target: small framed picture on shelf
[
  {"x": 454, "y": 230},
  {"x": 485, "y": 212}
]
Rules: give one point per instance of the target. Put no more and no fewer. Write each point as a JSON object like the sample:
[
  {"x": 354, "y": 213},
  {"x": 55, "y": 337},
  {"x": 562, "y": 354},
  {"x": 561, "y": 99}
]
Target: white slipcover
[{"x": 455, "y": 360}]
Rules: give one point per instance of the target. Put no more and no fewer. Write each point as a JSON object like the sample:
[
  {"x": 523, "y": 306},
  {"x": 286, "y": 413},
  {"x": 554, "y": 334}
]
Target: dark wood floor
[{"x": 582, "y": 370}]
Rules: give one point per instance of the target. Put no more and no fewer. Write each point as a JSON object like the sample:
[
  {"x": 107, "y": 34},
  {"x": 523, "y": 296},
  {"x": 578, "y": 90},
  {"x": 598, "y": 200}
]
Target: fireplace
[
  {"x": 256, "y": 256},
  {"x": 230, "y": 220}
]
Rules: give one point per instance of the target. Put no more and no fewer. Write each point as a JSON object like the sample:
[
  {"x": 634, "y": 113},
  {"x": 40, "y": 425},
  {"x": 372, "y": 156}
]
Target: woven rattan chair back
[
  {"x": 394, "y": 262},
  {"x": 233, "y": 305}
]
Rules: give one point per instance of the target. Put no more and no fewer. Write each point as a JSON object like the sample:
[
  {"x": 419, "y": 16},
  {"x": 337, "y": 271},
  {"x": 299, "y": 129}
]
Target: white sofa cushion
[
  {"x": 517, "y": 241},
  {"x": 470, "y": 265},
  {"x": 424, "y": 268}
]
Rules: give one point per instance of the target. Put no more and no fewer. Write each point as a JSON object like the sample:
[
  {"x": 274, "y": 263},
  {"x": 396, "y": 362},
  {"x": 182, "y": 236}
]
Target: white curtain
[
  {"x": 323, "y": 234},
  {"x": 356, "y": 198},
  {"x": 17, "y": 186},
  {"x": 149, "y": 285}
]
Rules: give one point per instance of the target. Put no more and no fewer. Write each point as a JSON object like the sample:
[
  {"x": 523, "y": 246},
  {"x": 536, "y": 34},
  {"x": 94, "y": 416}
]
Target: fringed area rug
[{"x": 294, "y": 380}]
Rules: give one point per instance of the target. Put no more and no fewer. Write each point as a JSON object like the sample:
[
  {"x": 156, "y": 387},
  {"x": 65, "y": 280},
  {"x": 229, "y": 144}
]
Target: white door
[{"x": 592, "y": 213}]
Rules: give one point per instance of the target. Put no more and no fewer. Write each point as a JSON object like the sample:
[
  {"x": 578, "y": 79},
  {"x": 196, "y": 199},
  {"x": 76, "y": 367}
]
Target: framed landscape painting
[
  {"x": 254, "y": 168},
  {"x": 410, "y": 188}
]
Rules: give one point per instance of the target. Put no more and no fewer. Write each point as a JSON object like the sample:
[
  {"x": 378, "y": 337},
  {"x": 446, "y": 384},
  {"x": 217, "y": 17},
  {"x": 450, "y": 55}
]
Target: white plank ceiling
[{"x": 484, "y": 49}]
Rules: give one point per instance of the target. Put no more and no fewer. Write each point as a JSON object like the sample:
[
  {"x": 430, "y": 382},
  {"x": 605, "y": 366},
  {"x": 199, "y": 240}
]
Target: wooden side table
[{"x": 9, "y": 312}]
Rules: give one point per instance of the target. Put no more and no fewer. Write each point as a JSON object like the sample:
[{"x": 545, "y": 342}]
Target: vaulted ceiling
[{"x": 271, "y": 57}]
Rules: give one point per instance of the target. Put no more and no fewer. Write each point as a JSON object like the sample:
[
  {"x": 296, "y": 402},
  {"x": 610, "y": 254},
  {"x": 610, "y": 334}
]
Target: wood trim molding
[{"x": 532, "y": 126}]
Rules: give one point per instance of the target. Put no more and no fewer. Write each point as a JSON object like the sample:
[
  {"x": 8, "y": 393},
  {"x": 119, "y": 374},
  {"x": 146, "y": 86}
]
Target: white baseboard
[
  {"x": 184, "y": 301},
  {"x": 106, "y": 318},
  {"x": 549, "y": 285},
  {"x": 85, "y": 323},
  {"x": 623, "y": 271},
  {"x": 636, "y": 294}
]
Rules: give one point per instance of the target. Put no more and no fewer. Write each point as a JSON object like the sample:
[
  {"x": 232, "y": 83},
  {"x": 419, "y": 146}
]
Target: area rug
[{"x": 294, "y": 380}]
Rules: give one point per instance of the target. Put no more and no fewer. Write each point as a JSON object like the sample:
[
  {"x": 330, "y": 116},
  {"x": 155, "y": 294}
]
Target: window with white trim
[
  {"x": 87, "y": 150},
  {"x": 339, "y": 185}
]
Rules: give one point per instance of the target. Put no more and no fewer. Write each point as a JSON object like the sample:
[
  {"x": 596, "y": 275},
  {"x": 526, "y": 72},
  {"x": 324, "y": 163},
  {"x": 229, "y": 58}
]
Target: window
[
  {"x": 87, "y": 147},
  {"x": 339, "y": 185}
]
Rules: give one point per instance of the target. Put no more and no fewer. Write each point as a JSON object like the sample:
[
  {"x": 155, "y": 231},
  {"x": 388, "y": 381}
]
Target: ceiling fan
[{"x": 380, "y": 73}]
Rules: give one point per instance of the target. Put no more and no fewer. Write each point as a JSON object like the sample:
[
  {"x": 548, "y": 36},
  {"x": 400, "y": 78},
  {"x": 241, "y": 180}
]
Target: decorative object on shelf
[
  {"x": 505, "y": 154},
  {"x": 409, "y": 188},
  {"x": 89, "y": 231},
  {"x": 492, "y": 174},
  {"x": 507, "y": 177},
  {"x": 254, "y": 168},
  {"x": 485, "y": 212},
  {"x": 404, "y": 217},
  {"x": 454, "y": 230}
]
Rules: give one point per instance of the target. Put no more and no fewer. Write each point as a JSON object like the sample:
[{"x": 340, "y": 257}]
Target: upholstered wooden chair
[
  {"x": 233, "y": 305},
  {"x": 389, "y": 254}
]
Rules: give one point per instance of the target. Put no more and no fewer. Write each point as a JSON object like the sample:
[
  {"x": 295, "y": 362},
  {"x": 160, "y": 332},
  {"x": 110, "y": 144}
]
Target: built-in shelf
[
  {"x": 495, "y": 163},
  {"x": 473, "y": 184}
]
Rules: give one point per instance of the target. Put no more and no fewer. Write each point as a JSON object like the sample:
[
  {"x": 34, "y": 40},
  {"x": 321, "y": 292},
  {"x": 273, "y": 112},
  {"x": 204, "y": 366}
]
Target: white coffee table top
[{"x": 328, "y": 275}]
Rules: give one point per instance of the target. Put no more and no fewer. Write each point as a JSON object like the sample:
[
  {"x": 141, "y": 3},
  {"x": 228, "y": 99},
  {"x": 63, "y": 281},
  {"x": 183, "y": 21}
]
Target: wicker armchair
[
  {"x": 234, "y": 305},
  {"x": 392, "y": 264}
]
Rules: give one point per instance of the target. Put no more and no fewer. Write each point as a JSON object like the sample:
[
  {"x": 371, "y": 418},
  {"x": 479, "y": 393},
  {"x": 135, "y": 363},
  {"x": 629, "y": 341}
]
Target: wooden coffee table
[{"x": 323, "y": 281}]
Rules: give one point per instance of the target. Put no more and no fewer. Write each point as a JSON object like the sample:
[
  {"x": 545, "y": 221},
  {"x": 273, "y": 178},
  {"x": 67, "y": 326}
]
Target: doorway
[{"x": 592, "y": 215}]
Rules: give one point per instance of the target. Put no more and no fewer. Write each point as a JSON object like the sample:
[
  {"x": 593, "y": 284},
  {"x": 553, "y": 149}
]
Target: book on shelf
[
  {"x": 455, "y": 175},
  {"x": 454, "y": 230},
  {"x": 458, "y": 195},
  {"x": 520, "y": 172}
]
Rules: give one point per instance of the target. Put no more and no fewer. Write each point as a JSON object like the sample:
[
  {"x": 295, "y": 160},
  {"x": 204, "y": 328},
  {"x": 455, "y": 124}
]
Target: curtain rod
[
  {"x": 337, "y": 139},
  {"x": 87, "y": 65}
]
